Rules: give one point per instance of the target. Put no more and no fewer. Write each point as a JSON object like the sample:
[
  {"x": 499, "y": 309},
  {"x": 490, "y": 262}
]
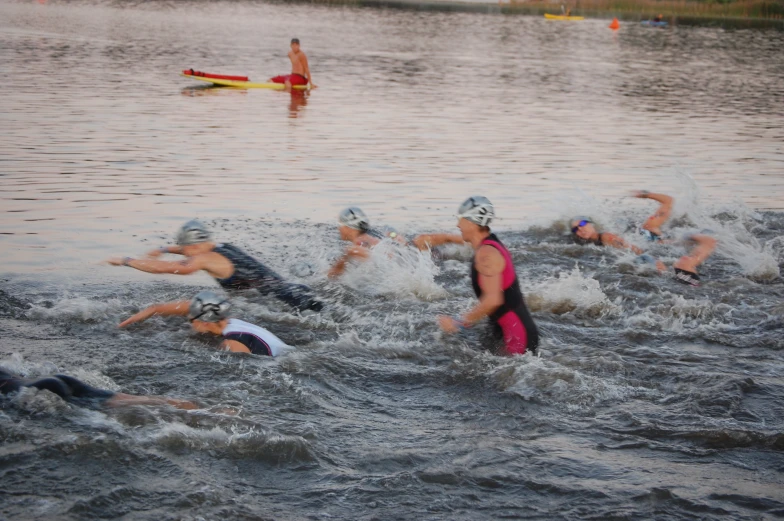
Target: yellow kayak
[
  {"x": 243, "y": 84},
  {"x": 562, "y": 17}
]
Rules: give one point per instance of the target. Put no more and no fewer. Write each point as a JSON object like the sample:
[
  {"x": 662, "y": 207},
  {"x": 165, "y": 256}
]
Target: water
[{"x": 649, "y": 400}]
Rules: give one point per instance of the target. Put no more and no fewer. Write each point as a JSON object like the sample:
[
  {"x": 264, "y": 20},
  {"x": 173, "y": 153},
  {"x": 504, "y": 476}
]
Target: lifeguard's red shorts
[{"x": 294, "y": 79}]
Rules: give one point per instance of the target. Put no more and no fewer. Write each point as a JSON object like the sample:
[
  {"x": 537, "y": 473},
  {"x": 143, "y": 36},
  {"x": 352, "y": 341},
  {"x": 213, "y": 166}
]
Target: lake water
[{"x": 650, "y": 400}]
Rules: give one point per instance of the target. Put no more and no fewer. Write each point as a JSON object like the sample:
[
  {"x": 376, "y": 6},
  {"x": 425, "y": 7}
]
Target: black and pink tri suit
[{"x": 512, "y": 318}]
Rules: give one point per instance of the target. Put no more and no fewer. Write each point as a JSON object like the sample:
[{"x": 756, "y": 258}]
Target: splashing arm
[
  {"x": 431, "y": 240},
  {"x": 610, "y": 239},
  {"x": 177, "y": 250},
  {"x": 185, "y": 267},
  {"x": 662, "y": 215},
  {"x": 352, "y": 252},
  {"x": 167, "y": 309},
  {"x": 704, "y": 246},
  {"x": 124, "y": 400}
]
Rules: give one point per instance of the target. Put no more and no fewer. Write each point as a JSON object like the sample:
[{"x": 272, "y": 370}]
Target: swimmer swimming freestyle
[
  {"x": 700, "y": 245},
  {"x": 231, "y": 267},
  {"x": 354, "y": 227},
  {"x": 585, "y": 231},
  {"x": 494, "y": 281},
  {"x": 208, "y": 312},
  {"x": 79, "y": 393}
]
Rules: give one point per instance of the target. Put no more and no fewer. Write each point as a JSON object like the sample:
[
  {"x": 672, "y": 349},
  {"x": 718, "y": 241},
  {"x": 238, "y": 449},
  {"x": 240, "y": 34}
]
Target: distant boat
[
  {"x": 562, "y": 17},
  {"x": 654, "y": 23}
]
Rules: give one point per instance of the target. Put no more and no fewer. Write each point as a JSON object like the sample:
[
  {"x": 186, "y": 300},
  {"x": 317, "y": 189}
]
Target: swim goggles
[
  {"x": 580, "y": 225},
  {"x": 207, "y": 308}
]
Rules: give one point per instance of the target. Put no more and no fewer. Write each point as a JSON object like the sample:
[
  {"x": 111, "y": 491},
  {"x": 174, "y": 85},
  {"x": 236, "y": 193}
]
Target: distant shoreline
[{"x": 756, "y": 14}]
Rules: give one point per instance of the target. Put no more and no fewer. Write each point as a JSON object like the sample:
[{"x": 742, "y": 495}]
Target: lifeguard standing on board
[{"x": 300, "y": 70}]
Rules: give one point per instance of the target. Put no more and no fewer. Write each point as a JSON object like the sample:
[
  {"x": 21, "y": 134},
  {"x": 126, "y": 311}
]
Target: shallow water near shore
[{"x": 650, "y": 400}]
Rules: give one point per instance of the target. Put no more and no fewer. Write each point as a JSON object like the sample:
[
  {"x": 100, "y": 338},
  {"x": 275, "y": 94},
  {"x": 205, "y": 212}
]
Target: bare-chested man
[{"x": 300, "y": 70}]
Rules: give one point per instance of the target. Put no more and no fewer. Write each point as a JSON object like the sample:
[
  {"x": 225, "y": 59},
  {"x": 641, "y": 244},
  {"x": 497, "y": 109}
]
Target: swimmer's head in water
[
  {"x": 478, "y": 210},
  {"x": 192, "y": 232},
  {"x": 355, "y": 219},
  {"x": 583, "y": 230},
  {"x": 208, "y": 306}
]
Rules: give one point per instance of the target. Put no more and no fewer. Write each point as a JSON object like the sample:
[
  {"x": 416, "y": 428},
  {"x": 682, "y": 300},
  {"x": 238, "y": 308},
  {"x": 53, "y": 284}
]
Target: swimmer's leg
[
  {"x": 515, "y": 334},
  {"x": 662, "y": 215},
  {"x": 52, "y": 384}
]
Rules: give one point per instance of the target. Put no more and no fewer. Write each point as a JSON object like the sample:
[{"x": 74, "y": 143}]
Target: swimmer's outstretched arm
[
  {"x": 176, "y": 250},
  {"x": 610, "y": 239},
  {"x": 657, "y": 220},
  {"x": 431, "y": 240},
  {"x": 185, "y": 267},
  {"x": 490, "y": 264},
  {"x": 124, "y": 400},
  {"x": 352, "y": 252},
  {"x": 167, "y": 309}
]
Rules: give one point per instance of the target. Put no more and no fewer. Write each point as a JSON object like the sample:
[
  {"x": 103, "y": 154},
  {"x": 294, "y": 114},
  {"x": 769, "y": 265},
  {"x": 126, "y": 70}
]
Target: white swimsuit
[{"x": 256, "y": 338}]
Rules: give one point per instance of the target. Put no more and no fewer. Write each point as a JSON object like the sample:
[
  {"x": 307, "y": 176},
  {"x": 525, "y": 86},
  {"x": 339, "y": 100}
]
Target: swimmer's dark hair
[{"x": 295, "y": 40}]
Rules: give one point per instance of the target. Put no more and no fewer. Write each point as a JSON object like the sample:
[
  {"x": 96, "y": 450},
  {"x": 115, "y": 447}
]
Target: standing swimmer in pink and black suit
[
  {"x": 300, "y": 70},
  {"x": 495, "y": 283}
]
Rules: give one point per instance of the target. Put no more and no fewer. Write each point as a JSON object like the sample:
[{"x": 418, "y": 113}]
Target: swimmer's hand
[
  {"x": 313, "y": 86},
  {"x": 138, "y": 317},
  {"x": 448, "y": 324}
]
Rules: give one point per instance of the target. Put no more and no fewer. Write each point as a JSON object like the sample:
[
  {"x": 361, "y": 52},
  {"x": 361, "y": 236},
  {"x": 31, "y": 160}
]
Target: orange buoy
[{"x": 615, "y": 25}]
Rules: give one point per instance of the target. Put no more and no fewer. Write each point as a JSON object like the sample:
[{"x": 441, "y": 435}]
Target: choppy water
[{"x": 650, "y": 400}]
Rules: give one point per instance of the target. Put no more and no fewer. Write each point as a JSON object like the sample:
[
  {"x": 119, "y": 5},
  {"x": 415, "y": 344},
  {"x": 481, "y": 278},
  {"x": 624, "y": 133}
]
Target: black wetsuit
[
  {"x": 250, "y": 273},
  {"x": 66, "y": 387},
  {"x": 512, "y": 319}
]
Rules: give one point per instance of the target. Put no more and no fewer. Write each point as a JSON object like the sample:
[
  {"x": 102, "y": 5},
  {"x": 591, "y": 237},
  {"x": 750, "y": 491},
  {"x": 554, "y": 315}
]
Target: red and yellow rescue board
[
  {"x": 244, "y": 84},
  {"x": 191, "y": 72}
]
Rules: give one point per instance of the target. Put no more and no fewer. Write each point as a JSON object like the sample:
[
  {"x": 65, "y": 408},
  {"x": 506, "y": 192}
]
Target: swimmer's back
[{"x": 257, "y": 339}]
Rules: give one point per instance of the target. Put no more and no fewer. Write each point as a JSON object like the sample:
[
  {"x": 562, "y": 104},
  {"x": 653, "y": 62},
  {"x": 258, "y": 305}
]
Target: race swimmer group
[
  {"x": 493, "y": 276},
  {"x": 493, "y": 279}
]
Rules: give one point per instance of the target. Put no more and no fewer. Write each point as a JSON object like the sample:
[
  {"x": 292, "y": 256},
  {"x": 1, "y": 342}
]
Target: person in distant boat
[
  {"x": 231, "y": 267},
  {"x": 494, "y": 281},
  {"x": 584, "y": 230},
  {"x": 354, "y": 227},
  {"x": 300, "y": 70},
  {"x": 208, "y": 313},
  {"x": 79, "y": 393},
  {"x": 658, "y": 18}
]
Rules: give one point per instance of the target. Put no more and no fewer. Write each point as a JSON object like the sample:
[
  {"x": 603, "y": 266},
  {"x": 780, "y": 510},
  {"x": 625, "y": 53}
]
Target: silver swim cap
[
  {"x": 477, "y": 209},
  {"x": 192, "y": 232},
  {"x": 208, "y": 306},
  {"x": 354, "y": 218}
]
